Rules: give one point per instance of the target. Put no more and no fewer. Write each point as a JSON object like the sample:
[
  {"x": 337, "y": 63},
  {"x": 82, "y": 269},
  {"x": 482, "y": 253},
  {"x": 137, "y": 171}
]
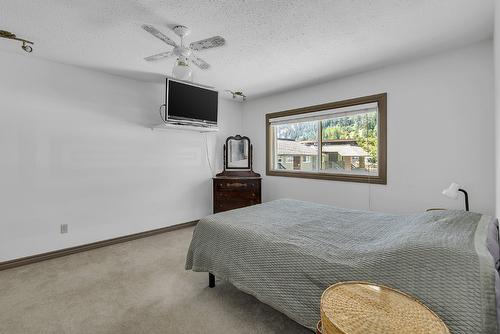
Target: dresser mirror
[{"x": 238, "y": 154}]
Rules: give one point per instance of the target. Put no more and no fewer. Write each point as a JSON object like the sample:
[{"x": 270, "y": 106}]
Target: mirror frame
[{"x": 226, "y": 153}]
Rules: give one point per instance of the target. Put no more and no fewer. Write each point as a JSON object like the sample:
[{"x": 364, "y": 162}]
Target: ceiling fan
[{"x": 184, "y": 53}]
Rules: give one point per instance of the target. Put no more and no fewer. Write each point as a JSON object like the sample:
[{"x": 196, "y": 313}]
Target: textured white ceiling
[{"x": 270, "y": 45}]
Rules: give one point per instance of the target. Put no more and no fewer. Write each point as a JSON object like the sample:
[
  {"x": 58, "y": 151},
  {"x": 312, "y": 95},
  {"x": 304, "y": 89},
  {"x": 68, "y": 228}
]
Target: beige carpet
[{"x": 135, "y": 287}]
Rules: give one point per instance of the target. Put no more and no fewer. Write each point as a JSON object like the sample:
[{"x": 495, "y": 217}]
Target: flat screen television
[{"x": 190, "y": 103}]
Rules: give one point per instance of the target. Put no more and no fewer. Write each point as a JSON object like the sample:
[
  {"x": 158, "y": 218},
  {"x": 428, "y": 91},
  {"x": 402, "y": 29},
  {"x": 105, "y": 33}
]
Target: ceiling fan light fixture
[{"x": 181, "y": 70}]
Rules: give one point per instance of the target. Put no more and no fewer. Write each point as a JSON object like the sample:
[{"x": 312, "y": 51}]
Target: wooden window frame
[{"x": 381, "y": 178}]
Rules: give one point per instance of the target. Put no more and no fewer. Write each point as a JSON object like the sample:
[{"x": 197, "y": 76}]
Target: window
[{"x": 343, "y": 141}]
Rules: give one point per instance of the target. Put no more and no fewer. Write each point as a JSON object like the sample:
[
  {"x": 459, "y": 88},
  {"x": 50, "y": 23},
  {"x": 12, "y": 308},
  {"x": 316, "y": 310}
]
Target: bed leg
[{"x": 211, "y": 280}]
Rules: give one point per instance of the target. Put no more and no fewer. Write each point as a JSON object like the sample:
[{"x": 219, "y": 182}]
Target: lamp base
[{"x": 466, "y": 197}]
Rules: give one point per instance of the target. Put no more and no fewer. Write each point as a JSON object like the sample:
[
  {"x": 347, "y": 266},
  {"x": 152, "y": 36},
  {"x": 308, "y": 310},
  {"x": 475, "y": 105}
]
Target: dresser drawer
[
  {"x": 232, "y": 185},
  {"x": 231, "y": 205},
  {"x": 235, "y": 193}
]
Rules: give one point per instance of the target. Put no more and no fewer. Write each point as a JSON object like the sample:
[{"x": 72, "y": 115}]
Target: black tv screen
[{"x": 188, "y": 102}]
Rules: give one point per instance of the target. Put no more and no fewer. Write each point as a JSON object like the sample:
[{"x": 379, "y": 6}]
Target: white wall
[
  {"x": 497, "y": 107},
  {"x": 75, "y": 148},
  {"x": 440, "y": 129}
]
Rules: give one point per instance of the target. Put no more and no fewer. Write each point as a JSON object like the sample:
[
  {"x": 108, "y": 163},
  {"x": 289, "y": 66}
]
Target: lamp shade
[{"x": 451, "y": 191}]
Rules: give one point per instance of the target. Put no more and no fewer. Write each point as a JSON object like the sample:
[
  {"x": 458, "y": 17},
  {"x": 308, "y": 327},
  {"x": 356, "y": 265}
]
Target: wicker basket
[{"x": 365, "y": 308}]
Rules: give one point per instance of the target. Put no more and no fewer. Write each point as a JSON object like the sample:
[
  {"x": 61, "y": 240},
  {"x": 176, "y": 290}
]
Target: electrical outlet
[{"x": 64, "y": 228}]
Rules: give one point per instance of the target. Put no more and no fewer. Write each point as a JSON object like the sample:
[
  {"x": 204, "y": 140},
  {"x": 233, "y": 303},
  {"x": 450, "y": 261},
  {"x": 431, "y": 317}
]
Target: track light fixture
[
  {"x": 9, "y": 35},
  {"x": 27, "y": 48},
  {"x": 237, "y": 94}
]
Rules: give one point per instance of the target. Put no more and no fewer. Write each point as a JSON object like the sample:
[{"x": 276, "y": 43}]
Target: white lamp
[
  {"x": 452, "y": 192},
  {"x": 182, "y": 70}
]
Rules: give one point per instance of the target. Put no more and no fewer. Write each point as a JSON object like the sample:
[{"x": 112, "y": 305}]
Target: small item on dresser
[
  {"x": 365, "y": 308},
  {"x": 237, "y": 185}
]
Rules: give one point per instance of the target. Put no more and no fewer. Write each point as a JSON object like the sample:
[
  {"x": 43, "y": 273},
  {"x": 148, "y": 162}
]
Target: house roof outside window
[
  {"x": 345, "y": 150},
  {"x": 291, "y": 147}
]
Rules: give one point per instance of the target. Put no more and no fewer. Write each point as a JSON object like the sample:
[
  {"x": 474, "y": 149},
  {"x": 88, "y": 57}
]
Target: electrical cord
[
  {"x": 206, "y": 141},
  {"x": 368, "y": 176},
  {"x": 208, "y": 155},
  {"x": 161, "y": 115}
]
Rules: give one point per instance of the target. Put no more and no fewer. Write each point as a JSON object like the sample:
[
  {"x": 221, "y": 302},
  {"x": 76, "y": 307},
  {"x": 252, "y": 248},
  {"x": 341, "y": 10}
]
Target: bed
[{"x": 287, "y": 252}]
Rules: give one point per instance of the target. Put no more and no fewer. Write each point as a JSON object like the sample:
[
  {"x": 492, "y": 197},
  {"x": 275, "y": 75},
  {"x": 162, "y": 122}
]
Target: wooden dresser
[
  {"x": 235, "y": 192},
  {"x": 237, "y": 185}
]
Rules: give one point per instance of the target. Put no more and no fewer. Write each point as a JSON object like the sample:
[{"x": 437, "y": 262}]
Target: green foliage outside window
[{"x": 361, "y": 128}]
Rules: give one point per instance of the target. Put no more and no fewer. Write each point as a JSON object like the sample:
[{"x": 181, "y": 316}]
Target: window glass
[
  {"x": 343, "y": 140},
  {"x": 349, "y": 144},
  {"x": 296, "y": 146}
]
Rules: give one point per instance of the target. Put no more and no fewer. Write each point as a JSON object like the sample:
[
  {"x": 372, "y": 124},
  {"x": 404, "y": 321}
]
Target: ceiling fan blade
[
  {"x": 156, "y": 33},
  {"x": 200, "y": 63},
  {"x": 159, "y": 56},
  {"x": 208, "y": 43}
]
